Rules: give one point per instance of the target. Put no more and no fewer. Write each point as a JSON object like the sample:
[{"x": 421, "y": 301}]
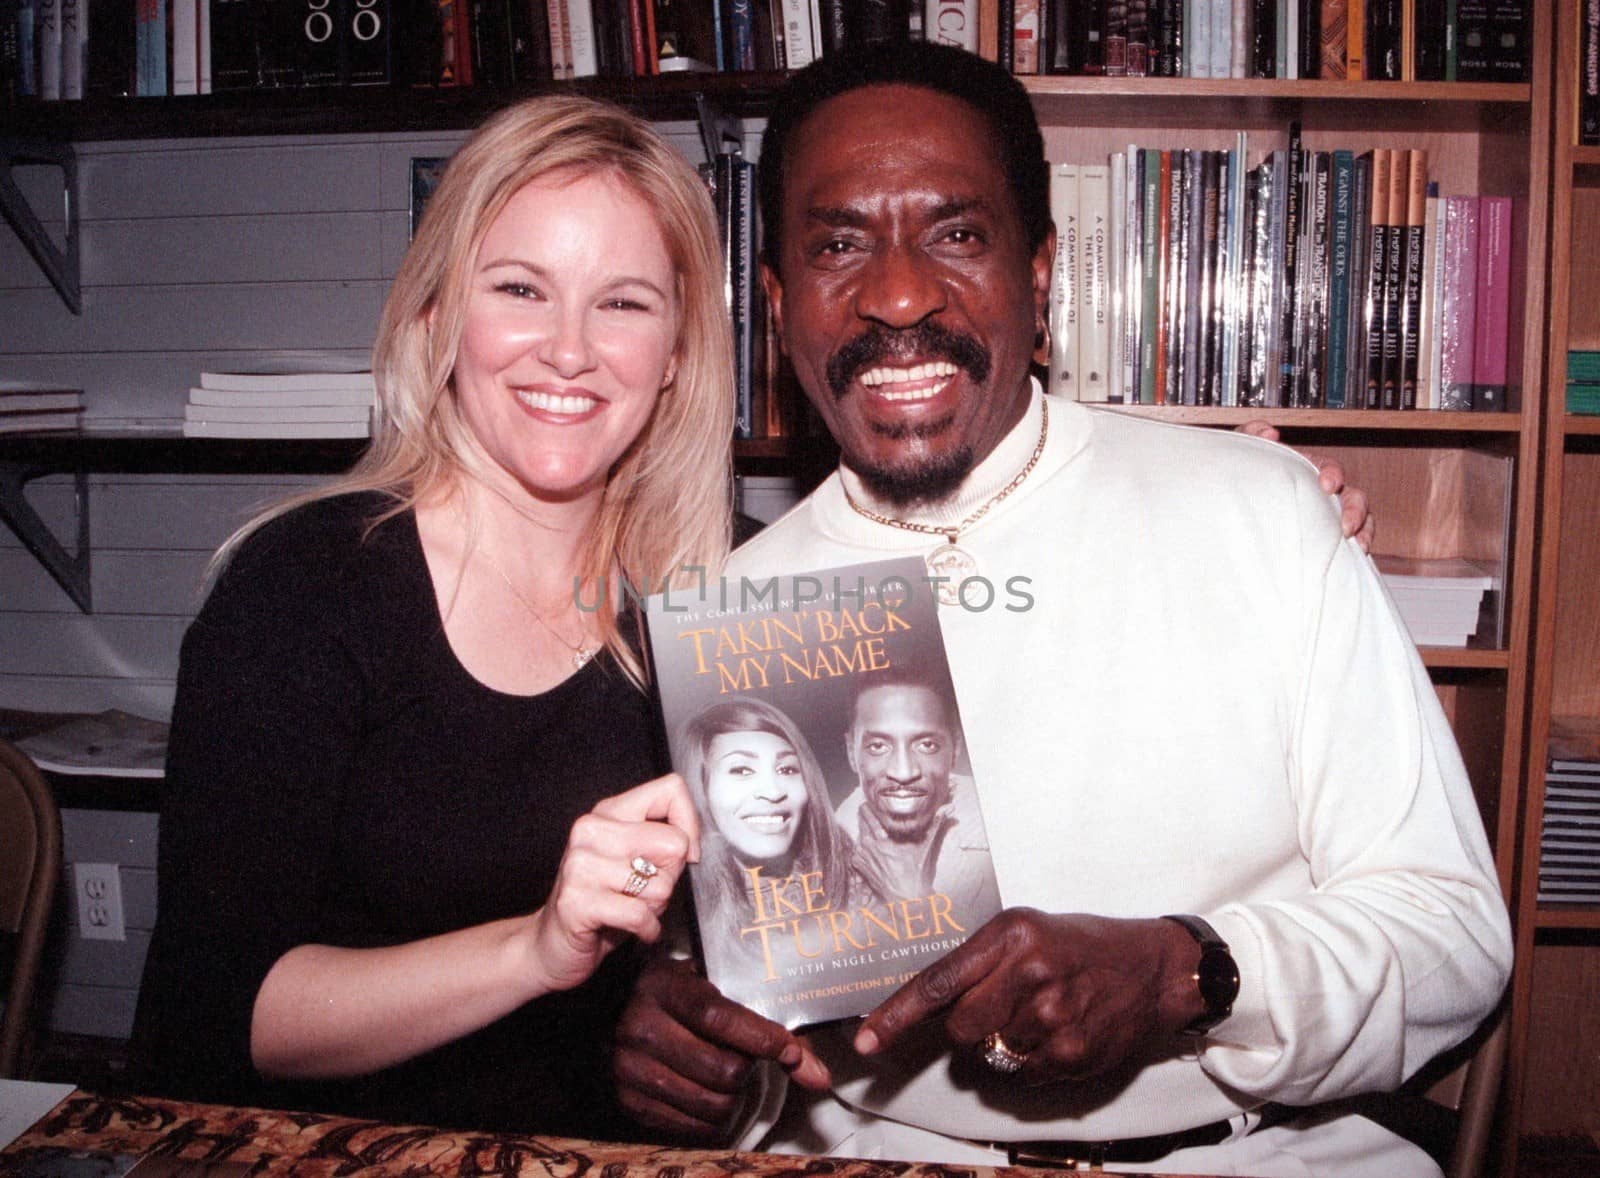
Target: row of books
[
  {"x": 280, "y": 405},
  {"x": 1583, "y": 382},
  {"x": 30, "y": 408},
  {"x": 72, "y": 48},
  {"x": 1377, "y": 40},
  {"x": 1317, "y": 279},
  {"x": 1569, "y": 840}
]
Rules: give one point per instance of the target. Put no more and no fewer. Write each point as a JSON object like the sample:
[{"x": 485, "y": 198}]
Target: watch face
[{"x": 1219, "y": 981}]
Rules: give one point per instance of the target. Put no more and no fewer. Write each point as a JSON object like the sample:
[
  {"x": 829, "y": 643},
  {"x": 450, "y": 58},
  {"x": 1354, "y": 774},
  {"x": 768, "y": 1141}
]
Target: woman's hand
[
  {"x": 589, "y": 912},
  {"x": 1355, "y": 516}
]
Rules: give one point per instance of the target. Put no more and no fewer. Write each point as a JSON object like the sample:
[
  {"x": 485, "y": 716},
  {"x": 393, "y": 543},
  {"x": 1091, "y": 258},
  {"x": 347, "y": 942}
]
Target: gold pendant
[{"x": 953, "y": 565}]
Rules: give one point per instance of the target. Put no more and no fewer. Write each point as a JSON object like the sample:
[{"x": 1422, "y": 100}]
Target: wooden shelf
[
  {"x": 1581, "y": 423},
  {"x": 1422, "y": 420},
  {"x": 1466, "y": 657},
  {"x": 1568, "y": 916}
]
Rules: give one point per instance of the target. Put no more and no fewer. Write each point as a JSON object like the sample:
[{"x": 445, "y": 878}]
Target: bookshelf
[
  {"x": 1554, "y": 1082},
  {"x": 1481, "y": 138}
]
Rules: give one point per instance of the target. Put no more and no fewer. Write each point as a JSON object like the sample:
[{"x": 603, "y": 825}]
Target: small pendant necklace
[
  {"x": 581, "y": 653},
  {"x": 950, "y": 562}
]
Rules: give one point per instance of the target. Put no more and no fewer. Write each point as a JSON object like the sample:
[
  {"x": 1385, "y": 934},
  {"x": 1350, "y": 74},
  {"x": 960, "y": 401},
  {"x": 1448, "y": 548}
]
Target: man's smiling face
[{"x": 906, "y": 293}]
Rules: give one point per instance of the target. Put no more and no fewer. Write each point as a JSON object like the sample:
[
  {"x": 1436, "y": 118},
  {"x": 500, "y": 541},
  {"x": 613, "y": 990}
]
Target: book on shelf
[
  {"x": 29, "y": 422},
  {"x": 285, "y": 398},
  {"x": 955, "y": 22},
  {"x": 112, "y": 743},
  {"x": 1493, "y": 283},
  {"x": 248, "y": 382},
  {"x": 807, "y": 911},
  {"x": 1589, "y": 76},
  {"x": 276, "y": 413},
  {"x": 1065, "y": 278},
  {"x": 275, "y": 429},
  {"x": 1440, "y": 601},
  {"x": 26, "y": 397}
]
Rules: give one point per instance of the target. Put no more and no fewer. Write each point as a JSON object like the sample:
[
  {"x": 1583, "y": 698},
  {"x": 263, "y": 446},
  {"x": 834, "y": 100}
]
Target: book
[
  {"x": 112, "y": 743},
  {"x": 1473, "y": 62},
  {"x": 47, "y": 44},
  {"x": 273, "y": 429},
  {"x": 1094, "y": 305},
  {"x": 815, "y": 895},
  {"x": 247, "y": 382},
  {"x": 1493, "y": 282},
  {"x": 184, "y": 29},
  {"x": 1394, "y": 279},
  {"x": 74, "y": 47},
  {"x": 1335, "y": 39},
  {"x": 581, "y": 41},
  {"x": 41, "y": 422},
  {"x": 233, "y": 52},
  {"x": 284, "y": 398},
  {"x": 1589, "y": 76},
  {"x": 1064, "y": 280},
  {"x": 276, "y": 413},
  {"x": 1341, "y": 225},
  {"x": 1416, "y": 210},
  {"x": 1458, "y": 312},
  {"x": 18, "y": 397},
  {"x": 1428, "y": 332},
  {"x": 1508, "y": 40},
  {"x": 951, "y": 22}
]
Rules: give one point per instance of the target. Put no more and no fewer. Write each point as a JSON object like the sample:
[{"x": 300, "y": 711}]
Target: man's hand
[
  {"x": 684, "y": 1054},
  {"x": 1355, "y": 516},
  {"x": 1076, "y": 994}
]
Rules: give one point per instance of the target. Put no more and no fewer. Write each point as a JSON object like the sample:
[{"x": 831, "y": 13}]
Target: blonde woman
[{"x": 404, "y": 824}]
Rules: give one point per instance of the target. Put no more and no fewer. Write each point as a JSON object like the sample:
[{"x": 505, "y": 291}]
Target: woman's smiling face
[{"x": 756, "y": 792}]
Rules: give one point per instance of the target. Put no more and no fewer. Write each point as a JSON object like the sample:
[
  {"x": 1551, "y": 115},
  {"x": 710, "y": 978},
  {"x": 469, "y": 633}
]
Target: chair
[
  {"x": 30, "y": 866},
  {"x": 1472, "y": 1090}
]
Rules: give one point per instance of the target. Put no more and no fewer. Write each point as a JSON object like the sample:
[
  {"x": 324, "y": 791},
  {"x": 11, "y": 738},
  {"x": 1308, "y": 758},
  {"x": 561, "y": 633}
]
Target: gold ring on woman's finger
[
  {"x": 1000, "y": 1057},
  {"x": 643, "y": 871}
]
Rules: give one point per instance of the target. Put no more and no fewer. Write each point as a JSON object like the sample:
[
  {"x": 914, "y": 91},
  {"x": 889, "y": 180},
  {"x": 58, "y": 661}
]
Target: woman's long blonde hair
[{"x": 667, "y": 502}]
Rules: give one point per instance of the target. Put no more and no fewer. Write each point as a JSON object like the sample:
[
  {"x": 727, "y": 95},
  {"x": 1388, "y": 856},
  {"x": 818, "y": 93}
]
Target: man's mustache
[{"x": 926, "y": 341}]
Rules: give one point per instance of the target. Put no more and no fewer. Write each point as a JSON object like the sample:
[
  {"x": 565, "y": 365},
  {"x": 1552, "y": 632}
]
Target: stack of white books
[
  {"x": 1440, "y": 601},
  {"x": 1569, "y": 842},
  {"x": 280, "y": 405},
  {"x": 29, "y": 408}
]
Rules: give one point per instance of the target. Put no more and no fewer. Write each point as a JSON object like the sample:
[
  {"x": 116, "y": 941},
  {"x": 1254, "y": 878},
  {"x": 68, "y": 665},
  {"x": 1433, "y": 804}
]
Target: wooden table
[{"x": 266, "y": 1144}]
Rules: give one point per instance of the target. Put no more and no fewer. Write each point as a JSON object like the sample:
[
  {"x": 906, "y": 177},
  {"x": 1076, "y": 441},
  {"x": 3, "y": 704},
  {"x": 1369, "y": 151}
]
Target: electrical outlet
[{"x": 98, "y": 887}]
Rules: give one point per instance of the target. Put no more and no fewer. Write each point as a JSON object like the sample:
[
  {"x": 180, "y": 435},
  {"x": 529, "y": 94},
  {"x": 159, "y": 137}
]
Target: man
[
  {"x": 916, "y": 824},
  {"x": 1211, "y": 713}
]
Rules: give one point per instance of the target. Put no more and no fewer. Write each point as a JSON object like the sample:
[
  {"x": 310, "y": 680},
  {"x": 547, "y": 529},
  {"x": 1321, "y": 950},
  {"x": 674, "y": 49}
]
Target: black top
[{"x": 337, "y": 777}]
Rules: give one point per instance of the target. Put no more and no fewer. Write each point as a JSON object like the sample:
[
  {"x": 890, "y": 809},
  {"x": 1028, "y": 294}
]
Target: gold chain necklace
[
  {"x": 581, "y": 654},
  {"x": 949, "y": 563}
]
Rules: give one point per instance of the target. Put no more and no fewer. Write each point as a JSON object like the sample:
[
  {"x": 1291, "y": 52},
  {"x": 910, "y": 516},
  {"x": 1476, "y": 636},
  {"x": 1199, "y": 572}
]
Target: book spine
[
  {"x": 560, "y": 38},
  {"x": 152, "y": 48},
  {"x": 581, "y": 35},
  {"x": 742, "y": 230},
  {"x": 1191, "y": 266},
  {"x": 1451, "y": 43},
  {"x": 1288, "y": 360},
  {"x": 1394, "y": 280},
  {"x": 1025, "y": 37},
  {"x": 1150, "y": 205},
  {"x": 1416, "y": 210},
  {"x": 1355, "y": 40},
  {"x": 1116, "y": 251},
  {"x": 1239, "y": 39},
  {"x": 1264, "y": 39},
  {"x": 1094, "y": 313},
  {"x": 835, "y": 26},
  {"x": 369, "y": 42},
  {"x": 232, "y": 45},
  {"x": 1160, "y": 321},
  {"x": 1494, "y": 304},
  {"x": 1138, "y": 47},
  {"x": 47, "y": 44},
  {"x": 1429, "y": 41},
  {"x": 1377, "y": 269},
  {"x": 1428, "y": 332},
  {"x": 1335, "y": 39},
  {"x": 1589, "y": 76},
  {"x": 1318, "y": 311},
  {"x": 491, "y": 42},
  {"x": 1212, "y": 210},
  {"x": 74, "y": 46},
  {"x": 1360, "y": 265},
  {"x": 1233, "y": 306},
  {"x": 798, "y": 52},
  {"x": 1064, "y": 281},
  {"x": 1221, "y": 48},
  {"x": 1258, "y": 252},
  {"x": 1167, "y": 38},
  {"x": 1196, "y": 39},
  {"x": 1310, "y": 43},
  {"x": 1472, "y": 41},
  {"x": 1459, "y": 314},
  {"x": 1508, "y": 41},
  {"x": 1115, "y": 31},
  {"x": 1336, "y": 381},
  {"x": 320, "y": 28},
  {"x": 953, "y": 22}
]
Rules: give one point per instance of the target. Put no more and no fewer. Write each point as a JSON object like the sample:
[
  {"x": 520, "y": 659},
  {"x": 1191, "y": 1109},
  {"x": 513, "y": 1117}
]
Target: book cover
[
  {"x": 1149, "y": 294},
  {"x": 151, "y": 48},
  {"x": 826, "y": 879},
  {"x": 1125, "y": 274},
  {"x": 1309, "y": 39},
  {"x": 799, "y": 49},
  {"x": 1159, "y": 320},
  {"x": 1428, "y": 332},
  {"x": 321, "y": 31},
  {"x": 1094, "y": 307},
  {"x": 1508, "y": 41},
  {"x": 1355, "y": 47},
  {"x": 185, "y": 61},
  {"x": 1255, "y": 359},
  {"x": 1064, "y": 279},
  {"x": 1221, "y": 38},
  {"x": 1589, "y": 76},
  {"x": 1473, "y": 62},
  {"x": 1319, "y": 241},
  {"x": 368, "y": 42},
  {"x": 1196, "y": 37},
  {"x": 1493, "y": 282},
  {"x": 1416, "y": 212},
  {"x": 1207, "y": 239},
  {"x": 1025, "y": 37},
  {"x": 233, "y": 54},
  {"x": 1355, "y": 363},
  {"x": 1458, "y": 314},
  {"x": 1292, "y": 231},
  {"x": 1175, "y": 280},
  {"x": 581, "y": 38},
  {"x": 1382, "y": 49},
  {"x": 1264, "y": 39}
]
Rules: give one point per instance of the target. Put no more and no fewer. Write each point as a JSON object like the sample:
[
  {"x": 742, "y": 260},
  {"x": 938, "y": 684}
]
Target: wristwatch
[{"x": 1217, "y": 975}]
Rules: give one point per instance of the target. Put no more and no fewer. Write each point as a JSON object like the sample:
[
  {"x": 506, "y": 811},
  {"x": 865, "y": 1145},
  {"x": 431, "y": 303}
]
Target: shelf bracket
[
  {"x": 70, "y": 571},
  {"x": 717, "y": 127},
  {"x": 59, "y": 263}
]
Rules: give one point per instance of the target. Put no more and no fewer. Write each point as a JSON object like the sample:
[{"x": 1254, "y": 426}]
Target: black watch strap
[{"x": 1216, "y": 977}]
